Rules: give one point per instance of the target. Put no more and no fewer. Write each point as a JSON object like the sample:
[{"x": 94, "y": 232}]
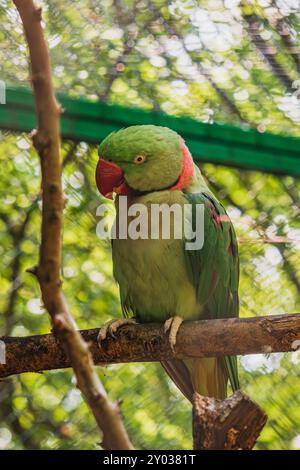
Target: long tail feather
[
  {"x": 206, "y": 376},
  {"x": 231, "y": 369},
  {"x": 180, "y": 375}
]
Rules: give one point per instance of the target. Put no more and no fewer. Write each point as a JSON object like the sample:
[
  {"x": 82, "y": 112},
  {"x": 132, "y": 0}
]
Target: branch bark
[
  {"x": 231, "y": 424},
  {"x": 145, "y": 343},
  {"x": 47, "y": 142}
]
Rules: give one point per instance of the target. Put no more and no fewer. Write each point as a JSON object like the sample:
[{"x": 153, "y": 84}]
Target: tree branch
[
  {"x": 145, "y": 343},
  {"x": 47, "y": 142},
  {"x": 231, "y": 424}
]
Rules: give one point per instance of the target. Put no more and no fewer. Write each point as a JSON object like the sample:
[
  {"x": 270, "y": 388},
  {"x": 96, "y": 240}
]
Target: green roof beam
[{"x": 89, "y": 121}]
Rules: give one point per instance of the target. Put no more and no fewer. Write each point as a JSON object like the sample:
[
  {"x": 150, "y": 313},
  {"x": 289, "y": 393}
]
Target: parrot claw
[
  {"x": 111, "y": 327},
  {"x": 167, "y": 325},
  {"x": 172, "y": 325},
  {"x": 111, "y": 333}
]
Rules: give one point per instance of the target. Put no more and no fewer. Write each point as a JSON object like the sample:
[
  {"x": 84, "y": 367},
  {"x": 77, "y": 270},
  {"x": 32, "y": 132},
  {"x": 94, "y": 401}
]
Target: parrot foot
[
  {"x": 173, "y": 325},
  {"x": 111, "y": 327}
]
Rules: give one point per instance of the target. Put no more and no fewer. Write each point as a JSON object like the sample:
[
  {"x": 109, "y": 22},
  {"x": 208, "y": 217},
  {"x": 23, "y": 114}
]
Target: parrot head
[{"x": 143, "y": 159}]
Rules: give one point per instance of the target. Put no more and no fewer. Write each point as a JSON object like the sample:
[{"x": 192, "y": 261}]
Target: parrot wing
[{"x": 214, "y": 269}]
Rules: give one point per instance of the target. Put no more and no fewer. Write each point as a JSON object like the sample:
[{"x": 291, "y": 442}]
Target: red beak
[{"x": 110, "y": 179}]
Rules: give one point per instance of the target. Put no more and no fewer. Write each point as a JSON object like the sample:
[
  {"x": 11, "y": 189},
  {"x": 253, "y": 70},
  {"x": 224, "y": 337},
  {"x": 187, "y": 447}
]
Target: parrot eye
[{"x": 139, "y": 159}]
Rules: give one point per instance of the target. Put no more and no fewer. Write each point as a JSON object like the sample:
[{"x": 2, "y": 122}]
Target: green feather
[
  {"x": 160, "y": 278},
  {"x": 214, "y": 268},
  {"x": 155, "y": 143}
]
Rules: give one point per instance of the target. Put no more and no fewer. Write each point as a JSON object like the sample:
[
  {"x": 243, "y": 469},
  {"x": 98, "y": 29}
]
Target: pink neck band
[{"x": 188, "y": 170}]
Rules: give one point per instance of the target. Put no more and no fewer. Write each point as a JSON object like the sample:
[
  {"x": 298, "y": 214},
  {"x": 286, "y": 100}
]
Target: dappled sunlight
[{"x": 217, "y": 62}]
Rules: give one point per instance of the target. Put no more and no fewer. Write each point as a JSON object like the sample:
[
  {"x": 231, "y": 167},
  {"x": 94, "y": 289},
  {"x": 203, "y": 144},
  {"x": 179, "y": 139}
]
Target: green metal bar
[{"x": 89, "y": 121}]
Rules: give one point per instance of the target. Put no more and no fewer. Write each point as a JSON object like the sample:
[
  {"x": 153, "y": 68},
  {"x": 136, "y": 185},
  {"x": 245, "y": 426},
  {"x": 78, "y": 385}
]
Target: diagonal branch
[
  {"x": 145, "y": 343},
  {"x": 47, "y": 142}
]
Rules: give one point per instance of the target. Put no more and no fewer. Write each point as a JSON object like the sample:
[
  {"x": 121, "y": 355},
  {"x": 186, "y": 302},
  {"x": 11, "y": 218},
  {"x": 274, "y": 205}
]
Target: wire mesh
[{"x": 231, "y": 61}]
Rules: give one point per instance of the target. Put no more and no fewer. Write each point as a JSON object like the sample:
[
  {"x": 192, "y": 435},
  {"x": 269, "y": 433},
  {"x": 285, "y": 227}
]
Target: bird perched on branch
[{"x": 160, "y": 279}]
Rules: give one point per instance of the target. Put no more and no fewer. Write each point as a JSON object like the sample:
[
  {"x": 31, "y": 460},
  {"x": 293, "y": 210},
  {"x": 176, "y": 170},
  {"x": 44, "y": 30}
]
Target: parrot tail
[{"x": 206, "y": 375}]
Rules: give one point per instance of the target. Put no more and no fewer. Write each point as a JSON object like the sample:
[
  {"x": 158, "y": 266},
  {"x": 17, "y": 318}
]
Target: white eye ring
[{"x": 139, "y": 159}]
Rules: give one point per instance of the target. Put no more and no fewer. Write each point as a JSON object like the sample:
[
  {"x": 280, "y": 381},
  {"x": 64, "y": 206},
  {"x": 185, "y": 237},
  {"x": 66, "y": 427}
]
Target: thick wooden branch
[
  {"x": 47, "y": 142},
  {"x": 231, "y": 424},
  {"x": 143, "y": 343}
]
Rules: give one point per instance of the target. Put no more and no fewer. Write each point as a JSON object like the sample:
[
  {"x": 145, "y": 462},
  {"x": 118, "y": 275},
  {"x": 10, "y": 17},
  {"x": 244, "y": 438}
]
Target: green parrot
[{"x": 159, "y": 279}]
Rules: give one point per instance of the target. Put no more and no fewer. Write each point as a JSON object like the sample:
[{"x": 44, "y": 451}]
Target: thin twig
[{"x": 47, "y": 142}]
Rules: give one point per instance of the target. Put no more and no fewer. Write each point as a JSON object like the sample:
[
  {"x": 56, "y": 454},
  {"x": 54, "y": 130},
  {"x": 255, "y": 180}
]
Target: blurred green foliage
[{"x": 194, "y": 58}]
